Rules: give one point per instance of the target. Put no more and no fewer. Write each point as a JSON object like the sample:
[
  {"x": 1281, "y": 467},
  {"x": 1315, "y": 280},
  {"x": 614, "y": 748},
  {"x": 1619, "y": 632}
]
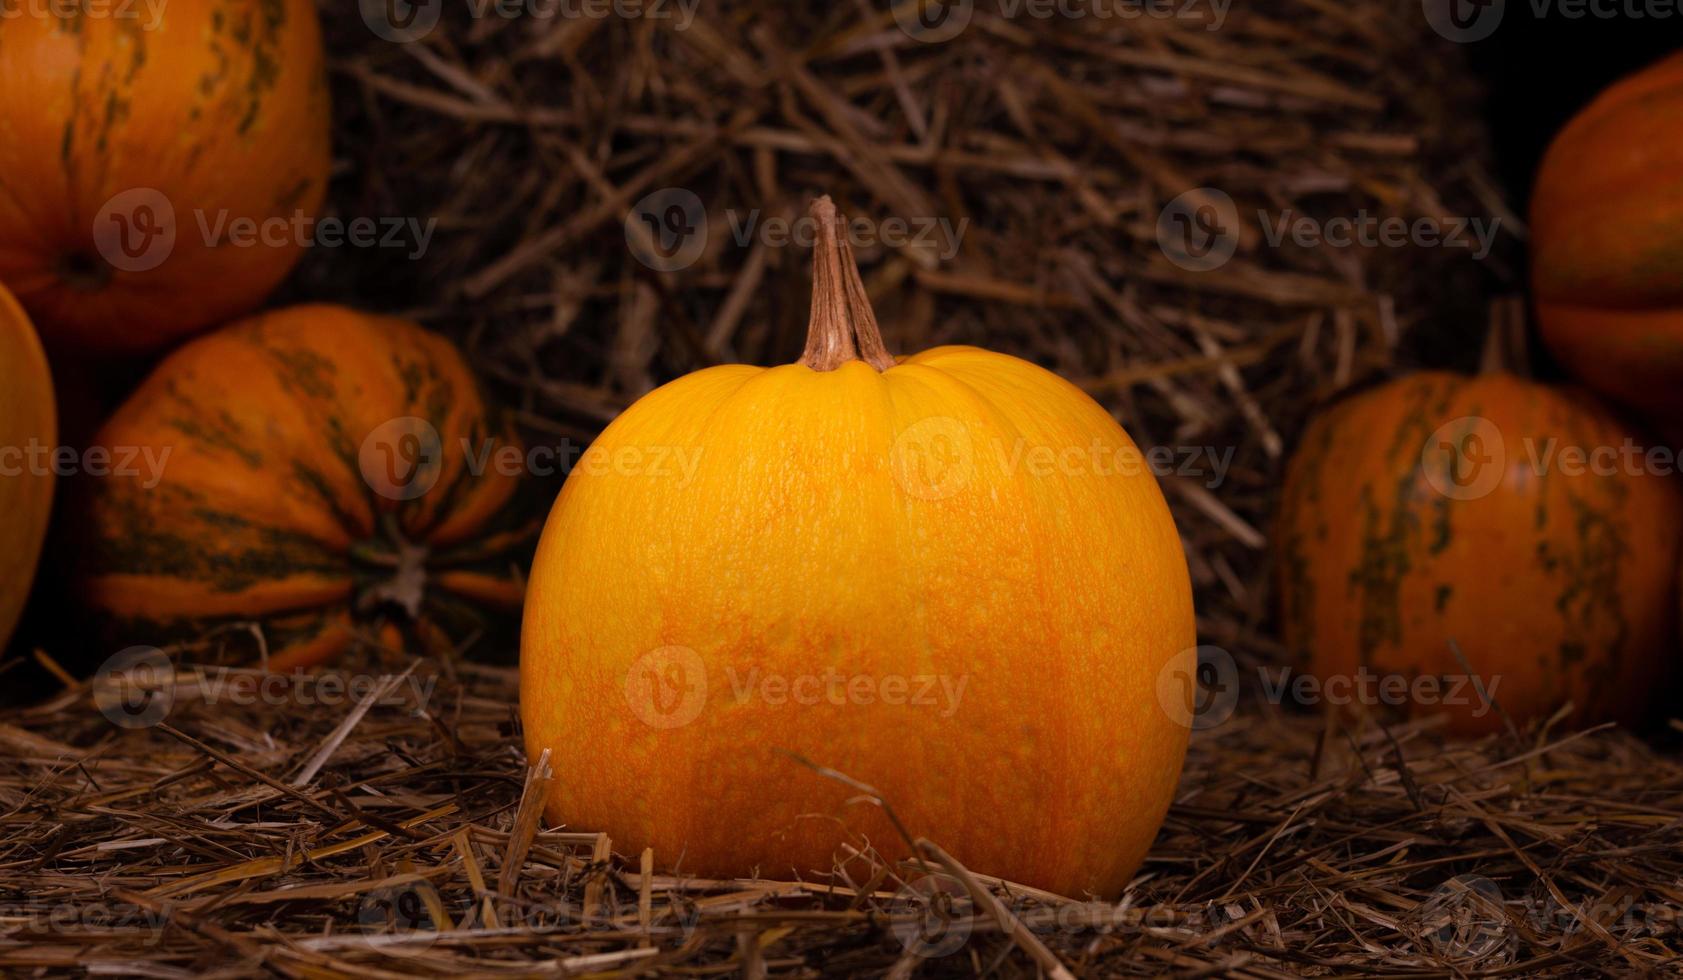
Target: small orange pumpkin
[
  {"x": 1487, "y": 513},
  {"x": 28, "y": 433},
  {"x": 947, "y": 576},
  {"x": 1607, "y": 243},
  {"x": 323, "y": 472},
  {"x": 137, "y": 157}
]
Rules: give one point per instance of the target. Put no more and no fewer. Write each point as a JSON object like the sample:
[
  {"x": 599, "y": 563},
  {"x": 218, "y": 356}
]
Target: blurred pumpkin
[
  {"x": 1440, "y": 509},
  {"x": 326, "y": 473},
  {"x": 1607, "y": 243},
  {"x": 28, "y": 436},
  {"x": 137, "y": 156},
  {"x": 899, "y": 569}
]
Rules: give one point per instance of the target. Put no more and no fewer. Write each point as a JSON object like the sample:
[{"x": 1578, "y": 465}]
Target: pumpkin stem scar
[
  {"x": 843, "y": 326},
  {"x": 407, "y": 585},
  {"x": 84, "y": 273}
]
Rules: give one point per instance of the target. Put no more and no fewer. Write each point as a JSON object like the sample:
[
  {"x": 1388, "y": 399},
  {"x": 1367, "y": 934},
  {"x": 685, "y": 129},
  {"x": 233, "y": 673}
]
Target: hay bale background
[
  {"x": 391, "y": 831},
  {"x": 1054, "y": 143}
]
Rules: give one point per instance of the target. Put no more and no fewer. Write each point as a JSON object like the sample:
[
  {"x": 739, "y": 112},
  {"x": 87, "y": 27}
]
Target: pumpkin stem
[
  {"x": 1504, "y": 344},
  {"x": 407, "y": 586},
  {"x": 843, "y": 326}
]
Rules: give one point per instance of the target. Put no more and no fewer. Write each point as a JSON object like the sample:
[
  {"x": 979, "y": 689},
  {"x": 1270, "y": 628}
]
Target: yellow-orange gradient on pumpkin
[
  {"x": 311, "y": 469},
  {"x": 1607, "y": 244},
  {"x": 948, "y": 577},
  {"x": 1494, "y": 513},
  {"x": 28, "y": 433},
  {"x": 160, "y": 163}
]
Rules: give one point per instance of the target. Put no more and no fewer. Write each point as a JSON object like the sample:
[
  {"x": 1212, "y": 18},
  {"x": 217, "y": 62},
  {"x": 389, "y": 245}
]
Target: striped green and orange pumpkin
[
  {"x": 327, "y": 474},
  {"x": 28, "y": 429},
  {"x": 1440, "y": 509},
  {"x": 139, "y": 147}
]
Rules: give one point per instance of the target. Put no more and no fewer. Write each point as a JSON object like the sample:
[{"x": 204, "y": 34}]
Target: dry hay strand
[{"x": 385, "y": 823}]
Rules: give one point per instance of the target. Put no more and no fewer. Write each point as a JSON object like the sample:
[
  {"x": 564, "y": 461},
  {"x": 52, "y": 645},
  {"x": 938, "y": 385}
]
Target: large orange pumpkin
[
  {"x": 28, "y": 433},
  {"x": 1607, "y": 243},
  {"x": 325, "y": 473},
  {"x": 139, "y": 149},
  {"x": 1439, "y": 510},
  {"x": 946, "y": 576}
]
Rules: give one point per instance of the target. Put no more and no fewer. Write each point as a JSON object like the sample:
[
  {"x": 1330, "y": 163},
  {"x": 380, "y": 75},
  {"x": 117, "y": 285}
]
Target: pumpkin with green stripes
[
  {"x": 161, "y": 163},
  {"x": 28, "y": 427},
  {"x": 326, "y": 474},
  {"x": 1480, "y": 529}
]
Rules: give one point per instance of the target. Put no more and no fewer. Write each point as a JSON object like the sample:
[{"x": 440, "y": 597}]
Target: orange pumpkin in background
[
  {"x": 151, "y": 170},
  {"x": 1440, "y": 509},
  {"x": 1607, "y": 244},
  {"x": 946, "y": 576},
  {"x": 325, "y": 473},
  {"x": 28, "y": 435}
]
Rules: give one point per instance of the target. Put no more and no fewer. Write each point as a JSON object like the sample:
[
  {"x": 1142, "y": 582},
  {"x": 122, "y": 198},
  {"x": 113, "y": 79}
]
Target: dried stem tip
[{"x": 843, "y": 326}]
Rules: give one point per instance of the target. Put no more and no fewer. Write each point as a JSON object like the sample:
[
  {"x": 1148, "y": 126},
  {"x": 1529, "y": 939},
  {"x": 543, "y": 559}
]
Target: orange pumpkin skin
[
  {"x": 27, "y": 420},
  {"x": 131, "y": 152},
  {"x": 273, "y": 502},
  {"x": 1607, "y": 243},
  {"x": 816, "y": 550},
  {"x": 1404, "y": 527}
]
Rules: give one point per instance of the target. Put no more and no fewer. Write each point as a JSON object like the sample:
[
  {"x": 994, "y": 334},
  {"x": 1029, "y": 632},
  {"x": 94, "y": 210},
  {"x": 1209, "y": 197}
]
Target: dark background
[{"x": 1538, "y": 72}]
